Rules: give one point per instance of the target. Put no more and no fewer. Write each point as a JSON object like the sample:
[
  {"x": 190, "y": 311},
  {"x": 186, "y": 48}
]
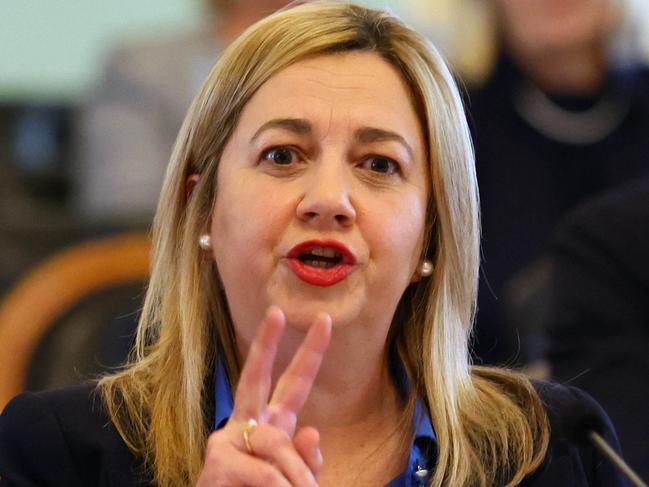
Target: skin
[
  {"x": 328, "y": 191},
  {"x": 369, "y": 194},
  {"x": 560, "y": 43},
  {"x": 281, "y": 457}
]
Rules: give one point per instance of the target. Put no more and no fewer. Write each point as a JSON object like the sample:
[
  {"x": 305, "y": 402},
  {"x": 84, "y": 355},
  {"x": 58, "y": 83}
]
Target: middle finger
[{"x": 294, "y": 385}]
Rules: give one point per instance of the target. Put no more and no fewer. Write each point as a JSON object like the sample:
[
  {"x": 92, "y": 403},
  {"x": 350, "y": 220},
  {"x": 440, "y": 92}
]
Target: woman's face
[
  {"x": 555, "y": 25},
  {"x": 321, "y": 197}
]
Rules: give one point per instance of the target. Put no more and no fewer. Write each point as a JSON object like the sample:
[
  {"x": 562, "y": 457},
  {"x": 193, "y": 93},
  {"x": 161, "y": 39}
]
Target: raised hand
[{"x": 278, "y": 455}]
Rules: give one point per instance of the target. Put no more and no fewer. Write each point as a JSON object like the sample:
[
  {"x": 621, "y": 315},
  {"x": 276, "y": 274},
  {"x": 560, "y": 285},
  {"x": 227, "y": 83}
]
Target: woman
[
  {"x": 556, "y": 122},
  {"x": 322, "y": 188}
]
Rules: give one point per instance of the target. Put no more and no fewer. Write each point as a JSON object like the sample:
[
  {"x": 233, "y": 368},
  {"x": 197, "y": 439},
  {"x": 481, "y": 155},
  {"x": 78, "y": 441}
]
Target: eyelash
[
  {"x": 266, "y": 155},
  {"x": 395, "y": 167}
]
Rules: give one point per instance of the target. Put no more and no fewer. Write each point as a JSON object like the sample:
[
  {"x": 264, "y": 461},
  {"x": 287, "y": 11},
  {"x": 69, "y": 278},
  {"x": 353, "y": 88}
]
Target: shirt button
[{"x": 422, "y": 473}]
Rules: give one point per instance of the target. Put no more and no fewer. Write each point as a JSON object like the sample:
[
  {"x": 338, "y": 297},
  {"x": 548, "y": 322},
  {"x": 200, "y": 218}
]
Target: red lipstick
[{"x": 321, "y": 262}]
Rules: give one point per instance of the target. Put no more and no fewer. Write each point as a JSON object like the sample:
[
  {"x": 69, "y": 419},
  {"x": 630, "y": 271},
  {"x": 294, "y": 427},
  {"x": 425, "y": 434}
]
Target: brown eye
[
  {"x": 383, "y": 165},
  {"x": 279, "y": 155}
]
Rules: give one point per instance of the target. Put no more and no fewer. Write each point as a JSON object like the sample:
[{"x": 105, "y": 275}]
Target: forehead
[{"x": 359, "y": 87}]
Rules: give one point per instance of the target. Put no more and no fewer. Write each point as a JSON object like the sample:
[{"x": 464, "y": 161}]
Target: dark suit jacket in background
[
  {"x": 599, "y": 328},
  {"x": 64, "y": 438}
]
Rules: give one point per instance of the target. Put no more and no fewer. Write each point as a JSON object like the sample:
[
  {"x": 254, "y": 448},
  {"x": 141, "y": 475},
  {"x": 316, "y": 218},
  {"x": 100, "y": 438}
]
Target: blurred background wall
[{"x": 52, "y": 51}]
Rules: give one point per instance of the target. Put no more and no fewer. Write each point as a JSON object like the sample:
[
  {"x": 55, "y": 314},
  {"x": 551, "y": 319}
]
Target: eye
[
  {"x": 382, "y": 165},
  {"x": 282, "y": 156}
]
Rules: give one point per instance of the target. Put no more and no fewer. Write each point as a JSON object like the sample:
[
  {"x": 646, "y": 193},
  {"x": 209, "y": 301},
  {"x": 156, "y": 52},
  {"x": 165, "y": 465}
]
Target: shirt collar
[
  {"x": 222, "y": 396},
  {"x": 424, "y": 427},
  {"x": 423, "y": 451}
]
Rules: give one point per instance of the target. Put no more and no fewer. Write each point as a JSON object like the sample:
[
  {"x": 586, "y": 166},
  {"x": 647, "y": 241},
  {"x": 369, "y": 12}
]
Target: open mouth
[
  {"x": 321, "y": 263},
  {"x": 322, "y": 257}
]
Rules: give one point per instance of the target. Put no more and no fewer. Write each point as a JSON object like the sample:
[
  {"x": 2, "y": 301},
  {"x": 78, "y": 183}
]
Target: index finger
[
  {"x": 254, "y": 384},
  {"x": 294, "y": 385}
]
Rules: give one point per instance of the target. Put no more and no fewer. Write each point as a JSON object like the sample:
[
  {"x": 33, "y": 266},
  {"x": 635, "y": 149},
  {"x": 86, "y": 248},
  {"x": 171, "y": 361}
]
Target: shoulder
[
  {"x": 611, "y": 227},
  {"x": 568, "y": 462},
  {"x": 63, "y": 435},
  {"x": 618, "y": 207},
  {"x": 77, "y": 411},
  {"x": 561, "y": 399},
  {"x": 565, "y": 405}
]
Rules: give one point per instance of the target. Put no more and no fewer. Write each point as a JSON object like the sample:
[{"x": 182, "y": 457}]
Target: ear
[
  {"x": 190, "y": 184},
  {"x": 416, "y": 276}
]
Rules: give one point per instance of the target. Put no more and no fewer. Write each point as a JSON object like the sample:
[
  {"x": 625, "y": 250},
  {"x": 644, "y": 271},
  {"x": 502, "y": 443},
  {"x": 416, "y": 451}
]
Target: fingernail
[
  {"x": 325, "y": 317},
  {"x": 274, "y": 310}
]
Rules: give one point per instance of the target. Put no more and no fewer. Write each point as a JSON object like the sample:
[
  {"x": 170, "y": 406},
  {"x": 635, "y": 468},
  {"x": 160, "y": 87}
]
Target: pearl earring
[
  {"x": 426, "y": 268},
  {"x": 205, "y": 242}
]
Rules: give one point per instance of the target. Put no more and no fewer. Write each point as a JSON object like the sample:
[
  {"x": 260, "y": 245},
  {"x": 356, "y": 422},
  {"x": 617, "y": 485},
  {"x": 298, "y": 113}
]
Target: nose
[{"x": 326, "y": 202}]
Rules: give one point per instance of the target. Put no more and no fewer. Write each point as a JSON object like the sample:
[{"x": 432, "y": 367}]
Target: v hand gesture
[{"x": 274, "y": 454}]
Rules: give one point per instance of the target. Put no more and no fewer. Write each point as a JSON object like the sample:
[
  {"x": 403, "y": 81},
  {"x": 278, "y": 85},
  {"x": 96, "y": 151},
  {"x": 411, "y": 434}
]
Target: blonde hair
[{"x": 490, "y": 424}]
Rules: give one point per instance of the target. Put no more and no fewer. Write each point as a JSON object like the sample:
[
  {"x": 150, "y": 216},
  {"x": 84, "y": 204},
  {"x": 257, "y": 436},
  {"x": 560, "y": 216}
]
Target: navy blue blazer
[{"x": 64, "y": 438}]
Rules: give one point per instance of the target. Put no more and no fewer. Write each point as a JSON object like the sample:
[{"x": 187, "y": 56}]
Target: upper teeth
[{"x": 323, "y": 251}]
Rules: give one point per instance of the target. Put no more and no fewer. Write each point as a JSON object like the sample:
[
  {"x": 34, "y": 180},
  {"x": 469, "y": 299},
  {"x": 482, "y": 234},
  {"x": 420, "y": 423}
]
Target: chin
[
  {"x": 301, "y": 314},
  {"x": 302, "y": 303}
]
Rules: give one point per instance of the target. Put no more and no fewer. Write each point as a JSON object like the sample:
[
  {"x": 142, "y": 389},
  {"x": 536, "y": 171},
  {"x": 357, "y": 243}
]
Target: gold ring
[{"x": 250, "y": 425}]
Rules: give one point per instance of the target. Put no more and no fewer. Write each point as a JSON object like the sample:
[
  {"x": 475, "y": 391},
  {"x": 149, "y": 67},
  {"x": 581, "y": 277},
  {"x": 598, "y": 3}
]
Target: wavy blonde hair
[{"x": 490, "y": 424}]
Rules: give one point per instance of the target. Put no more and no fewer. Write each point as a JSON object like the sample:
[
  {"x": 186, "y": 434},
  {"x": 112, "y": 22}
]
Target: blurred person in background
[
  {"x": 555, "y": 122},
  {"x": 599, "y": 320},
  {"x": 129, "y": 124}
]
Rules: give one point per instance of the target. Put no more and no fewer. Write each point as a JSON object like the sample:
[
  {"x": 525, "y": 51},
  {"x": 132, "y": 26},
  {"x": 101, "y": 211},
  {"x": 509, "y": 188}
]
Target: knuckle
[
  {"x": 212, "y": 459},
  {"x": 214, "y": 444},
  {"x": 271, "y": 438},
  {"x": 278, "y": 437},
  {"x": 215, "y": 438},
  {"x": 270, "y": 477},
  {"x": 217, "y": 452}
]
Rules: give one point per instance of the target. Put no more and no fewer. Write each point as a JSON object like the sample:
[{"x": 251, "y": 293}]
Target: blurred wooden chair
[{"x": 114, "y": 268}]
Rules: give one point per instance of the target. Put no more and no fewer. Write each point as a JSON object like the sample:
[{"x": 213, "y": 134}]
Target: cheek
[
  {"x": 245, "y": 224},
  {"x": 399, "y": 233}
]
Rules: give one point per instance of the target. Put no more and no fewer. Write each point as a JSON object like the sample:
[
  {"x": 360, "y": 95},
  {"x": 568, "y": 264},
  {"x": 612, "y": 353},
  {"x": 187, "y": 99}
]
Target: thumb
[{"x": 307, "y": 444}]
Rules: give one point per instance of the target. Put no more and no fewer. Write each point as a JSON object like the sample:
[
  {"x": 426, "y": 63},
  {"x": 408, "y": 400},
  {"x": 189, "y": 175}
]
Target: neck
[
  {"x": 355, "y": 407},
  {"x": 577, "y": 72},
  {"x": 357, "y": 411},
  {"x": 343, "y": 401},
  {"x": 353, "y": 387}
]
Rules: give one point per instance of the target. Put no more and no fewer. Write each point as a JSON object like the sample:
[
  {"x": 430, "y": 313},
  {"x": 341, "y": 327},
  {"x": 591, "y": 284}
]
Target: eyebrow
[
  {"x": 366, "y": 135},
  {"x": 296, "y": 125}
]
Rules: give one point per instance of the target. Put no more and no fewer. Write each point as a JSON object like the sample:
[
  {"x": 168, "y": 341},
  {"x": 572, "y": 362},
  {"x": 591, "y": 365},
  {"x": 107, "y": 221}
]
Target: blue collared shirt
[{"x": 423, "y": 450}]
